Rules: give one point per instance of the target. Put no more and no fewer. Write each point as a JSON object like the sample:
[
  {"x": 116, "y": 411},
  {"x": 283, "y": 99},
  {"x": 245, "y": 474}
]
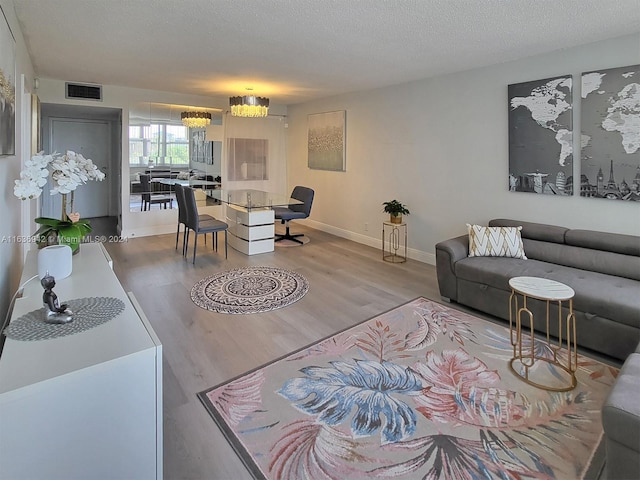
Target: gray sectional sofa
[
  {"x": 604, "y": 271},
  {"x": 602, "y": 268},
  {"x": 621, "y": 422}
]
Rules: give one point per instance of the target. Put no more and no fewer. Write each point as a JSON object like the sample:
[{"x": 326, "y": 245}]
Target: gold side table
[
  {"x": 525, "y": 353},
  {"x": 394, "y": 242}
]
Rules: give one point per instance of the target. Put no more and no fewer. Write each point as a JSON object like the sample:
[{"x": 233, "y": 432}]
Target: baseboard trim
[
  {"x": 412, "y": 253},
  {"x": 148, "y": 230}
]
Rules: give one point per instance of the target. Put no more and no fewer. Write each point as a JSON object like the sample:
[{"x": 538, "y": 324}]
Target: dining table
[
  {"x": 195, "y": 183},
  {"x": 250, "y": 216},
  {"x": 251, "y": 199}
]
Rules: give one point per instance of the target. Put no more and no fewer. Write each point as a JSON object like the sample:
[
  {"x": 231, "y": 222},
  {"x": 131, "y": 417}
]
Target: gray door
[{"x": 91, "y": 138}]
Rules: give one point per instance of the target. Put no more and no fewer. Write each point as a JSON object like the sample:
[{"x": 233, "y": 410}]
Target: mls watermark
[{"x": 85, "y": 239}]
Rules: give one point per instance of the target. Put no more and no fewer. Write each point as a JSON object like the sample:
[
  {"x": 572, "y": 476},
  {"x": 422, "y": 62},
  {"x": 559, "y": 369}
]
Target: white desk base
[{"x": 251, "y": 231}]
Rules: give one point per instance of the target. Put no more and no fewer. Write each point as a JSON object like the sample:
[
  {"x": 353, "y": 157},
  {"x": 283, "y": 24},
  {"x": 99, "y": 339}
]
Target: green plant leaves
[
  {"x": 394, "y": 207},
  {"x": 68, "y": 232}
]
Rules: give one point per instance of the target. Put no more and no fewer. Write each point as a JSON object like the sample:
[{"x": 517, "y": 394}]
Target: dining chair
[
  {"x": 204, "y": 226},
  {"x": 182, "y": 216},
  {"x": 148, "y": 198},
  {"x": 293, "y": 212}
]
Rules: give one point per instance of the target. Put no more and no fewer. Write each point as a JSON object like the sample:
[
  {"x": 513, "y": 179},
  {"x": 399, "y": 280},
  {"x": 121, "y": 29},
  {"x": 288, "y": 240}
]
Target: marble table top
[{"x": 541, "y": 288}]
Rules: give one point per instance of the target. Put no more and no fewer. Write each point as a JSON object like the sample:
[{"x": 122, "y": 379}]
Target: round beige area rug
[{"x": 249, "y": 290}]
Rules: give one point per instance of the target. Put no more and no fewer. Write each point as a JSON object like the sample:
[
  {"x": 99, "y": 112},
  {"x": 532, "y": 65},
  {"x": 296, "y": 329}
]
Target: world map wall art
[
  {"x": 541, "y": 135},
  {"x": 610, "y": 139}
]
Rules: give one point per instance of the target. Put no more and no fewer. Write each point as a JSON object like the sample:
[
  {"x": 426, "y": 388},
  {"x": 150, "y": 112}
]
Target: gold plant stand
[{"x": 394, "y": 242}]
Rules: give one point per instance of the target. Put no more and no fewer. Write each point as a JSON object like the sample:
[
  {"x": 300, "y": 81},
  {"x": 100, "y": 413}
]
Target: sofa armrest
[
  {"x": 447, "y": 254},
  {"x": 621, "y": 422}
]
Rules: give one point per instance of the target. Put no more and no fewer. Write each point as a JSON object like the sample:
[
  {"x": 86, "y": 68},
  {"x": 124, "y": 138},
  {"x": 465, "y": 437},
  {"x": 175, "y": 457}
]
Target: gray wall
[{"x": 440, "y": 145}]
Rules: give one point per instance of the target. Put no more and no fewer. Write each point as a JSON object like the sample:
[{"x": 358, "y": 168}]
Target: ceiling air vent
[{"x": 83, "y": 91}]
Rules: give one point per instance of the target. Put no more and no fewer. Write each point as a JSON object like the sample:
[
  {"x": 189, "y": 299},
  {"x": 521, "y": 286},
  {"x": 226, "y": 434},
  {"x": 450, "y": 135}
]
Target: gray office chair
[
  {"x": 194, "y": 224},
  {"x": 293, "y": 212},
  {"x": 149, "y": 198}
]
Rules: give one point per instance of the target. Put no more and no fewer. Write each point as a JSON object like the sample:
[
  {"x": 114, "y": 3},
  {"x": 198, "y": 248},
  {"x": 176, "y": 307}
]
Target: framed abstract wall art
[
  {"x": 7, "y": 88},
  {"x": 327, "y": 141},
  {"x": 201, "y": 150},
  {"x": 541, "y": 136},
  {"x": 610, "y": 141}
]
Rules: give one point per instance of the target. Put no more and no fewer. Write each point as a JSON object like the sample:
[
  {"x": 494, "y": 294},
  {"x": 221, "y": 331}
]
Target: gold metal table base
[
  {"x": 526, "y": 360},
  {"x": 392, "y": 246},
  {"x": 525, "y": 377}
]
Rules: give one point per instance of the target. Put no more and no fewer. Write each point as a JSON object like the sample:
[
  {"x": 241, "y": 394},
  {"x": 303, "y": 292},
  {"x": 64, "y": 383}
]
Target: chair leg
[
  {"x": 185, "y": 236},
  {"x": 185, "y": 247},
  {"x": 288, "y": 236},
  {"x": 225, "y": 244},
  {"x": 195, "y": 247},
  {"x": 177, "y": 236}
]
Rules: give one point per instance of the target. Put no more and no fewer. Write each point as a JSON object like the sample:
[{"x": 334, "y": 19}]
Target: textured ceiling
[{"x": 297, "y": 50}]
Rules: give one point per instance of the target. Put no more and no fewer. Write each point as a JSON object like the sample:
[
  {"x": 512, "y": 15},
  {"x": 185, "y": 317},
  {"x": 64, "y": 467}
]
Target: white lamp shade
[{"x": 55, "y": 260}]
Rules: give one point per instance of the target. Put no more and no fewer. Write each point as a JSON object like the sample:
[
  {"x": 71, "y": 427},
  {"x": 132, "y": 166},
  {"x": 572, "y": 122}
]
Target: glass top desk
[
  {"x": 251, "y": 199},
  {"x": 188, "y": 183},
  {"x": 251, "y": 218}
]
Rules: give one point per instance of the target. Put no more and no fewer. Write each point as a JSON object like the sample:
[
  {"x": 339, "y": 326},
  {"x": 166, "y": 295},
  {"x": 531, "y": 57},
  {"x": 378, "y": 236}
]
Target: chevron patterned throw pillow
[{"x": 495, "y": 242}]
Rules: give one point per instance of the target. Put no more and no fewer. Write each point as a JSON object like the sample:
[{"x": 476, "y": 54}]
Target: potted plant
[
  {"x": 62, "y": 232},
  {"x": 395, "y": 209},
  {"x": 65, "y": 172}
]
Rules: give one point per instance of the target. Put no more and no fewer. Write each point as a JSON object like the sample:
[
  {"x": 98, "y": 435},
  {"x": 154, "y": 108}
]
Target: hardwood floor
[{"x": 348, "y": 283}]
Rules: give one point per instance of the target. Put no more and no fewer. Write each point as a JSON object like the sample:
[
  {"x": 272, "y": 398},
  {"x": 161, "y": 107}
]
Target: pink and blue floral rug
[{"x": 420, "y": 392}]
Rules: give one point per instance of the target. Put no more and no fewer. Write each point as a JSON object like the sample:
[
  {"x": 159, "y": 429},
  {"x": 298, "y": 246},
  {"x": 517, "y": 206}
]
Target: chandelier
[
  {"x": 249, "y": 106},
  {"x": 195, "y": 119}
]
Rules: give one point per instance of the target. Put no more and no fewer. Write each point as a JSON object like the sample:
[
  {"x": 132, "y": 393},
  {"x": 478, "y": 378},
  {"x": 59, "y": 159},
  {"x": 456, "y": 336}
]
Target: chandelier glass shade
[
  {"x": 195, "y": 119},
  {"x": 249, "y": 106}
]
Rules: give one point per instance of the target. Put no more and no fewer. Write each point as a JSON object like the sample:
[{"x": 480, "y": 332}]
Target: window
[{"x": 158, "y": 144}]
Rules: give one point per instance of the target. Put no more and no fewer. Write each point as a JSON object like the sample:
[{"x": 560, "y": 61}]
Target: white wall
[
  {"x": 11, "y": 252},
  {"x": 440, "y": 146}
]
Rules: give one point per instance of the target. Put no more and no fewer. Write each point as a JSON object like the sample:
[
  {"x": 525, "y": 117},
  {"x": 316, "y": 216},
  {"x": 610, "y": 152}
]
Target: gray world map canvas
[
  {"x": 541, "y": 136},
  {"x": 611, "y": 134}
]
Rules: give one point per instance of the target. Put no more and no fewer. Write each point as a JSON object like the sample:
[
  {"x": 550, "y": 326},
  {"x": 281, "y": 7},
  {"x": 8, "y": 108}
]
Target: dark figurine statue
[{"x": 54, "y": 312}]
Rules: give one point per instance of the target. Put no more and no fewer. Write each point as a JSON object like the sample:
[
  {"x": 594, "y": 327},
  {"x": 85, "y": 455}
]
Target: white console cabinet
[{"x": 85, "y": 406}]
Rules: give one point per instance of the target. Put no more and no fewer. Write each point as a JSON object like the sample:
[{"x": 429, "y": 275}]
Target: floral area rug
[
  {"x": 420, "y": 392},
  {"x": 249, "y": 290}
]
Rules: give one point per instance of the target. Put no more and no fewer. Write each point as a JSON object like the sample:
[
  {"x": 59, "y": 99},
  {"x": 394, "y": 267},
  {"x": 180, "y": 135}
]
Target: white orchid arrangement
[{"x": 67, "y": 172}]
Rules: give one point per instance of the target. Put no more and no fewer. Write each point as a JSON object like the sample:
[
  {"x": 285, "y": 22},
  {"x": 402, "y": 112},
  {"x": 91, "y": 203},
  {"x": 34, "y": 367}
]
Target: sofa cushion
[
  {"x": 536, "y": 231},
  {"x": 611, "y": 263},
  {"x": 598, "y": 294},
  {"x": 495, "y": 241},
  {"x": 610, "y": 242},
  {"x": 621, "y": 410}
]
